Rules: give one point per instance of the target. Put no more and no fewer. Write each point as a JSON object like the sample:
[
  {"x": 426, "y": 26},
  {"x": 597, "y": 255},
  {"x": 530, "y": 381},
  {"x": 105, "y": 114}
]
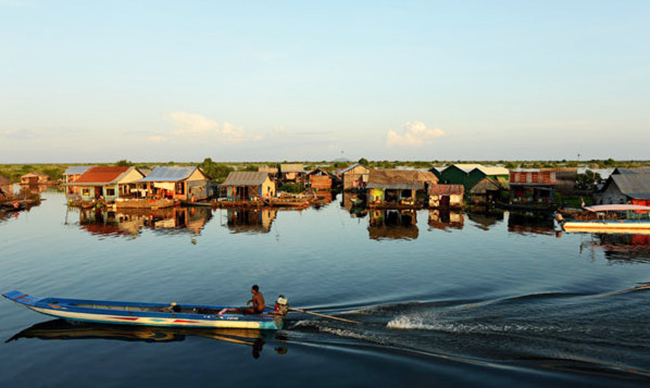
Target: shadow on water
[
  {"x": 59, "y": 329},
  {"x": 525, "y": 331}
]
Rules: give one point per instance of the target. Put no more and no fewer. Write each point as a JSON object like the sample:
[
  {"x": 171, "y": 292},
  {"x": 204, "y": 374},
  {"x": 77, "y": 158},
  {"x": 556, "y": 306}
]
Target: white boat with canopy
[{"x": 622, "y": 218}]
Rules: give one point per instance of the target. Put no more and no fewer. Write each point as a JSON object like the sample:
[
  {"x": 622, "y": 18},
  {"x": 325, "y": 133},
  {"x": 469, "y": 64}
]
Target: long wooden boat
[
  {"x": 149, "y": 314},
  {"x": 612, "y": 219}
]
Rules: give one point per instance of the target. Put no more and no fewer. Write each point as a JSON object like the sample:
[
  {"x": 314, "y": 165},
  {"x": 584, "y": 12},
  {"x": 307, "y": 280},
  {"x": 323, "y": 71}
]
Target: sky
[{"x": 160, "y": 81}]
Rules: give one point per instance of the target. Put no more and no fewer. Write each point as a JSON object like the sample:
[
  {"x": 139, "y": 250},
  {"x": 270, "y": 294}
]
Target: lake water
[{"x": 448, "y": 300}]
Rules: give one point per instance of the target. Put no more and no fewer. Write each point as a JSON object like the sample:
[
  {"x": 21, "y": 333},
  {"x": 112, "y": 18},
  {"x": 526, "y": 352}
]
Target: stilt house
[
  {"x": 108, "y": 182},
  {"x": 71, "y": 174},
  {"x": 321, "y": 179},
  {"x": 176, "y": 182},
  {"x": 398, "y": 187},
  {"x": 248, "y": 186},
  {"x": 354, "y": 177}
]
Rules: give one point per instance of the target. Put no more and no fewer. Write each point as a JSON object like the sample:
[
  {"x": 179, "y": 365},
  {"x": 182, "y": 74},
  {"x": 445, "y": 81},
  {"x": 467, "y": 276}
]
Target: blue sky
[{"x": 100, "y": 81}]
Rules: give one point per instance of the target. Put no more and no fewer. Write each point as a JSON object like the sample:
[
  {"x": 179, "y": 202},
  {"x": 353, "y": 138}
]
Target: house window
[
  {"x": 110, "y": 192},
  {"x": 85, "y": 192}
]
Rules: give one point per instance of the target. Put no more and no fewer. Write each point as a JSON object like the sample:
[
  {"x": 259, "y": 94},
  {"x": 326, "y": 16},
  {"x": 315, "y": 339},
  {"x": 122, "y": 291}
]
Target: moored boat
[
  {"x": 611, "y": 219},
  {"x": 152, "y": 314}
]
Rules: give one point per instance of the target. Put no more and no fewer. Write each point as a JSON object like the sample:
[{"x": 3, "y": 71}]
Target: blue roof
[
  {"x": 169, "y": 174},
  {"x": 76, "y": 170}
]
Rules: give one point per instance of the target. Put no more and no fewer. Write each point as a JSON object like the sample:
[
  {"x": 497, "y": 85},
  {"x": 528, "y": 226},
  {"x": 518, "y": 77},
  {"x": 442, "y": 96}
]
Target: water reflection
[
  {"x": 251, "y": 221},
  {"x": 323, "y": 198},
  {"x": 485, "y": 218},
  {"x": 129, "y": 223},
  {"x": 393, "y": 224},
  {"x": 355, "y": 204},
  {"x": 59, "y": 329},
  {"x": 620, "y": 248},
  {"x": 446, "y": 219},
  {"x": 531, "y": 223}
]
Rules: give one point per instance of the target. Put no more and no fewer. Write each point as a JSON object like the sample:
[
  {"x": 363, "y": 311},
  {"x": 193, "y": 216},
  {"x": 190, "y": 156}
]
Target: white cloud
[
  {"x": 199, "y": 127},
  {"x": 235, "y": 134},
  {"x": 188, "y": 124},
  {"x": 415, "y": 134},
  {"x": 157, "y": 139}
]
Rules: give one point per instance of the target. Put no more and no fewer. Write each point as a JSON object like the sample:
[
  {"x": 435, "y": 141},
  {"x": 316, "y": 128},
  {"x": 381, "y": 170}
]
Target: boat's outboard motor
[{"x": 282, "y": 305}]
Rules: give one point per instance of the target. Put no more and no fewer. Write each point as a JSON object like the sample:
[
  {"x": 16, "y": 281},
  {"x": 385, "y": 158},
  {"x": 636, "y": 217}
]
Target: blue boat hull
[{"x": 147, "y": 314}]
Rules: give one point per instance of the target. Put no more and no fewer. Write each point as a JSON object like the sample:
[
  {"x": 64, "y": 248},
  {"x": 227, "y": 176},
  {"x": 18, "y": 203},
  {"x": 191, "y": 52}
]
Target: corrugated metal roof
[
  {"x": 494, "y": 170},
  {"x": 467, "y": 167},
  {"x": 400, "y": 179},
  {"x": 76, "y": 170},
  {"x": 633, "y": 185},
  {"x": 636, "y": 170},
  {"x": 351, "y": 167},
  {"x": 446, "y": 190},
  {"x": 245, "y": 178},
  {"x": 102, "y": 174},
  {"x": 169, "y": 174}
]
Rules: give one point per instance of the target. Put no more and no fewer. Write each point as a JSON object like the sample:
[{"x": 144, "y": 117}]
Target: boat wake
[{"x": 517, "y": 330}]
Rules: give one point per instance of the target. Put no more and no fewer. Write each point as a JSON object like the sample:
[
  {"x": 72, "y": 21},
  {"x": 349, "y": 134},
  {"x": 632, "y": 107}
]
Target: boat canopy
[{"x": 617, "y": 208}]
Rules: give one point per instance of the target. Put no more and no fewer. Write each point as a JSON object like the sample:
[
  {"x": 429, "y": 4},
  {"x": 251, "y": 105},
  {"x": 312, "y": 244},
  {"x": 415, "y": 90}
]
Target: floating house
[
  {"x": 321, "y": 179},
  {"x": 292, "y": 173},
  {"x": 446, "y": 196},
  {"x": 538, "y": 186},
  {"x": 624, "y": 188},
  {"x": 486, "y": 191},
  {"x": 532, "y": 186},
  {"x": 35, "y": 178},
  {"x": 248, "y": 186},
  {"x": 6, "y": 187},
  {"x": 396, "y": 188},
  {"x": 108, "y": 183},
  {"x": 176, "y": 182},
  {"x": 354, "y": 177},
  {"x": 469, "y": 175},
  {"x": 71, "y": 174}
]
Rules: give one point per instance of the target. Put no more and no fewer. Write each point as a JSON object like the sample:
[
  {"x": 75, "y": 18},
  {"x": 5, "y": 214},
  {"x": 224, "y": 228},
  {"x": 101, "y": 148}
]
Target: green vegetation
[
  {"x": 215, "y": 171},
  {"x": 292, "y": 188}
]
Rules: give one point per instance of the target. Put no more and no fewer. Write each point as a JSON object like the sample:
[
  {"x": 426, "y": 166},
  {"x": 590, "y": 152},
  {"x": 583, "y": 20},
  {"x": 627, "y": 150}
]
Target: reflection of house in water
[
  {"x": 393, "y": 224},
  {"x": 100, "y": 222},
  {"x": 485, "y": 219},
  {"x": 445, "y": 219},
  {"x": 533, "y": 223},
  {"x": 131, "y": 222},
  {"x": 622, "y": 248},
  {"x": 251, "y": 221},
  {"x": 354, "y": 203}
]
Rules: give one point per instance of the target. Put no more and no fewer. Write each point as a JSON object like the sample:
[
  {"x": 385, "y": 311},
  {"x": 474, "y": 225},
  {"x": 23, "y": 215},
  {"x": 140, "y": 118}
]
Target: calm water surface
[{"x": 445, "y": 300}]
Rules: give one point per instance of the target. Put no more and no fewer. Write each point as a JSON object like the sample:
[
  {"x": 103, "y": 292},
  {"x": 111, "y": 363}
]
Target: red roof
[{"x": 101, "y": 174}]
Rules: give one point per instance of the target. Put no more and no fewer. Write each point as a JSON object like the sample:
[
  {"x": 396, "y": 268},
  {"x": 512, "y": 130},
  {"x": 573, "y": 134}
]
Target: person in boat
[{"x": 257, "y": 300}]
